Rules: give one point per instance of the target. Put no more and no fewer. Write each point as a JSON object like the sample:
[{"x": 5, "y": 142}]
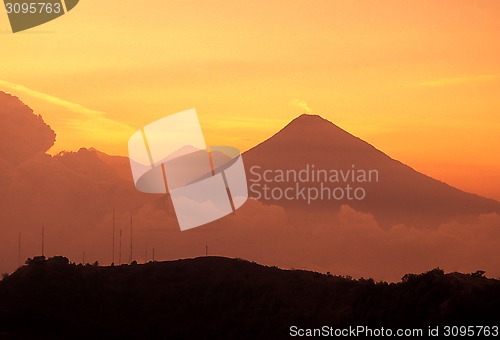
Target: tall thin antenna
[
  {"x": 130, "y": 259},
  {"x": 43, "y": 240},
  {"x": 113, "y": 261},
  {"x": 153, "y": 254},
  {"x": 120, "y": 250},
  {"x": 206, "y": 249},
  {"x": 19, "y": 255},
  {"x": 146, "y": 261},
  {"x": 83, "y": 257}
]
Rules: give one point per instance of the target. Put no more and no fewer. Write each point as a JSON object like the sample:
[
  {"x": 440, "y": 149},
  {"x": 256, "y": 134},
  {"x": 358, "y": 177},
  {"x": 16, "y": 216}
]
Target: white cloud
[{"x": 301, "y": 104}]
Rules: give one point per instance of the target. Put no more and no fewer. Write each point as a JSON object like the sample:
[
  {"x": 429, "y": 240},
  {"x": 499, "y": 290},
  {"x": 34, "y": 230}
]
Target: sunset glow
[{"x": 418, "y": 80}]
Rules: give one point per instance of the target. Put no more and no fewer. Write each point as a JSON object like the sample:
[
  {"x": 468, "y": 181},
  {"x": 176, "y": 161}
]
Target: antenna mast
[
  {"x": 113, "y": 260},
  {"x": 120, "y": 250},
  {"x": 19, "y": 257},
  {"x": 43, "y": 240},
  {"x": 130, "y": 259}
]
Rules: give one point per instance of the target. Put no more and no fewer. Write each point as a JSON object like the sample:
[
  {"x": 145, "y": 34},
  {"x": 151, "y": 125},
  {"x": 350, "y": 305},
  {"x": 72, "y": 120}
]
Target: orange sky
[{"x": 417, "y": 79}]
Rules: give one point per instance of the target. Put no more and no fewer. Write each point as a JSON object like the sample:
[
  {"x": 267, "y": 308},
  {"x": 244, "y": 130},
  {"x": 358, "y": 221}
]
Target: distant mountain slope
[
  {"x": 401, "y": 195},
  {"x": 227, "y": 299},
  {"x": 86, "y": 203}
]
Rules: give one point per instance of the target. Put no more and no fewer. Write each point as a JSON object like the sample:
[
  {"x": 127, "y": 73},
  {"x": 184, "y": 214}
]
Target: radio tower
[
  {"x": 43, "y": 240},
  {"x": 130, "y": 259},
  {"x": 113, "y": 260},
  {"x": 120, "y": 250},
  {"x": 19, "y": 257}
]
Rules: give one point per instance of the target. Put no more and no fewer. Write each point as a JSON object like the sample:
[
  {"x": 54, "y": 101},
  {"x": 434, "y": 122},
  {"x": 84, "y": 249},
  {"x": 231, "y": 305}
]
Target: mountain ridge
[
  {"x": 81, "y": 196},
  {"x": 228, "y": 298},
  {"x": 403, "y": 195}
]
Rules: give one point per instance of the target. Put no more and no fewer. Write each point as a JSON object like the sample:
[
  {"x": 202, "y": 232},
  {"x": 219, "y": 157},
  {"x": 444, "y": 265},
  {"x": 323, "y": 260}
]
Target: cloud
[
  {"x": 301, "y": 104},
  {"x": 22, "y": 134},
  {"x": 459, "y": 80},
  {"x": 80, "y": 126},
  {"x": 51, "y": 99},
  {"x": 357, "y": 245}
]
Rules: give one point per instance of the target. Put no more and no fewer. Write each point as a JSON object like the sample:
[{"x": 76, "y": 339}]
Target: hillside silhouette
[{"x": 226, "y": 298}]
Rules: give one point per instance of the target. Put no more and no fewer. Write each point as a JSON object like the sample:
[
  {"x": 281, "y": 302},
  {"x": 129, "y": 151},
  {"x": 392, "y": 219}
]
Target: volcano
[
  {"x": 398, "y": 193},
  {"x": 81, "y": 197}
]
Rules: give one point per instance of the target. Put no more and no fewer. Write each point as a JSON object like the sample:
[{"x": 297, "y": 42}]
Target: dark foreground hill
[{"x": 212, "y": 297}]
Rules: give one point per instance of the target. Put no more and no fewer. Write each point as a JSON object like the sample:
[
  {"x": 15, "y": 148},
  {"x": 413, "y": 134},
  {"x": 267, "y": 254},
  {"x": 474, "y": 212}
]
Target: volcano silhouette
[
  {"x": 74, "y": 195},
  {"x": 401, "y": 194}
]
